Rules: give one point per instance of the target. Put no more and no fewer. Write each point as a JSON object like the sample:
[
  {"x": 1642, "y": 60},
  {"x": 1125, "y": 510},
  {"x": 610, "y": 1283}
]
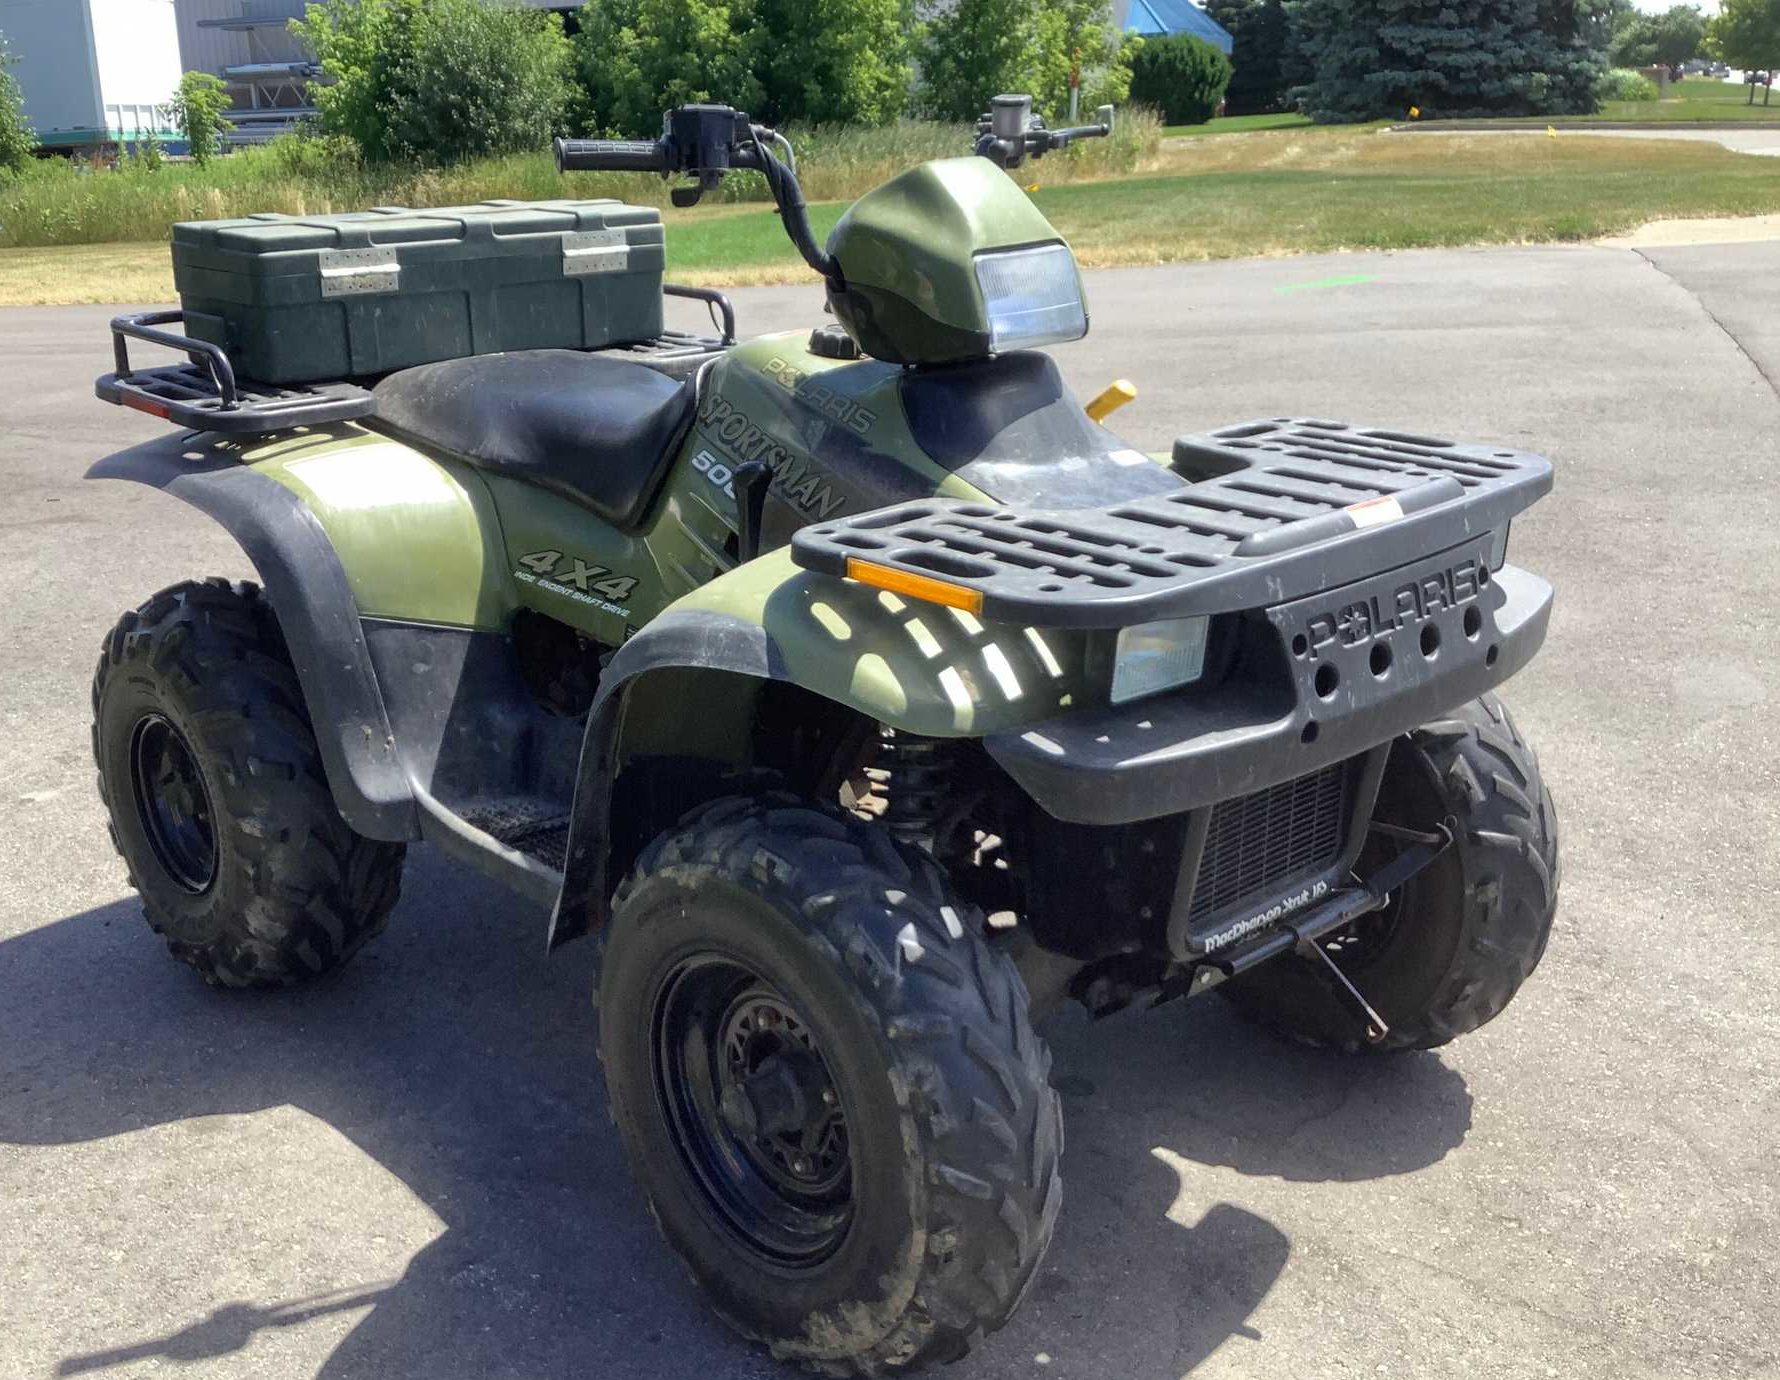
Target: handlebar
[
  {"x": 1010, "y": 133},
  {"x": 706, "y": 141},
  {"x": 611, "y": 155}
]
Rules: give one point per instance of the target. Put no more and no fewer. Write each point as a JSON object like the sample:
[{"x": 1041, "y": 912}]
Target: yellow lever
[{"x": 1117, "y": 394}]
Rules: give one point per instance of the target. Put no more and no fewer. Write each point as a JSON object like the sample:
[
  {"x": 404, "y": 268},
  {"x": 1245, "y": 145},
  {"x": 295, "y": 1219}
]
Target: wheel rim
[
  {"x": 173, "y": 803},
  {"x": 753, "y": 1111}
]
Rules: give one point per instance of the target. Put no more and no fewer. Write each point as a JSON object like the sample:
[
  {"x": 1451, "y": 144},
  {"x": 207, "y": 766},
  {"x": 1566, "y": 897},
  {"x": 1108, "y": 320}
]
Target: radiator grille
[{"x": 1259, "y": 842}]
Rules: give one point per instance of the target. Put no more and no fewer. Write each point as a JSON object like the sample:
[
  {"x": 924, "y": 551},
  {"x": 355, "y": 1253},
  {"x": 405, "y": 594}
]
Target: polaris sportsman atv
[{"x": 859, "y": 690}]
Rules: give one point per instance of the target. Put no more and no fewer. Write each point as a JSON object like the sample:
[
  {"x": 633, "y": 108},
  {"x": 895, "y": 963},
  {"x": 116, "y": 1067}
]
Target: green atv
[{"x": 865, "y": 697}]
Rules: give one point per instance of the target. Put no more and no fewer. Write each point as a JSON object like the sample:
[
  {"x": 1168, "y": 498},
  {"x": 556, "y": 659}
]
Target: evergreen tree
[
  {"x": 1261, "y": 57},
  {"x": 1373, "y": 59}
]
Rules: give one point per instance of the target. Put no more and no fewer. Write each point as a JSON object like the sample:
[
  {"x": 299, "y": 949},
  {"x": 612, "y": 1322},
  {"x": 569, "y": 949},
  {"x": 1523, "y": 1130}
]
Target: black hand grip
[{"x": 610, "y": 155}]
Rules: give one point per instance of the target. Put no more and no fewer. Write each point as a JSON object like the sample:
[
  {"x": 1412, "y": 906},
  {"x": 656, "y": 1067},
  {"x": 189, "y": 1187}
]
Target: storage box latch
[
  {"x": 354, "y": 272},
  {"x": 594, "y": 251}
]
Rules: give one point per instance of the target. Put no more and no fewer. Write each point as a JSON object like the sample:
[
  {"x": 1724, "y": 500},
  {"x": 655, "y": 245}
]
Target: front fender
[{"x": 915, "y": 667}]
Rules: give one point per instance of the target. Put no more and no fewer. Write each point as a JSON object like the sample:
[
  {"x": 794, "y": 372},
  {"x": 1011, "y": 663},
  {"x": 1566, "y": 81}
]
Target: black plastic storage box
[{"x": 303, "y": 299}]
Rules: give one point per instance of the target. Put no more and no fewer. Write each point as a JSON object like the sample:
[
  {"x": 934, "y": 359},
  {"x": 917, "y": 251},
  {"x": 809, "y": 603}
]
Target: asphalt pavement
[{"x": 409, "y": 1172}]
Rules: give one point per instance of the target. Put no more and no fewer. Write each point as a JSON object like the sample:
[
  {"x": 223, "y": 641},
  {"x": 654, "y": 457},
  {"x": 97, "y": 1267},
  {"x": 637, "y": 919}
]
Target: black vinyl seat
[{"x": 602, "y": 432}]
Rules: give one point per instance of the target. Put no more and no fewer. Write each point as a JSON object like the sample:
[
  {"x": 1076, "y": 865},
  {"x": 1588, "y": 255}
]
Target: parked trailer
[{"x": 94, "y": 72}]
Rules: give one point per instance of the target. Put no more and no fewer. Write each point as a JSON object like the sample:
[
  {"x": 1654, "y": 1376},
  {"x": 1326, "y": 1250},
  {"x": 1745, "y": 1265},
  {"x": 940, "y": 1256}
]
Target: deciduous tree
[
  {"x": 199, "y": 107},
  {"x": 16, "y": 139},
  {"x": 1746, "y": 34}
]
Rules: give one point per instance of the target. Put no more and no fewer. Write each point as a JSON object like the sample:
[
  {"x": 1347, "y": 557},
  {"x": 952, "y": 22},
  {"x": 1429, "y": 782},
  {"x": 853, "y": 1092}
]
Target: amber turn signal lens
[{"x": 914, "y": 586}]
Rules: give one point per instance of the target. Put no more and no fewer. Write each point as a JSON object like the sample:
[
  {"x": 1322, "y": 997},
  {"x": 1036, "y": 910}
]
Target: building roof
[{"x": 1150, "y": 17}]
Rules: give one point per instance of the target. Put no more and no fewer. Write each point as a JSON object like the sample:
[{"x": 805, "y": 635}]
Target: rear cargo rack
[
  {"x": 206, "y": 394},
  {"x": 1271, "y": 511}
]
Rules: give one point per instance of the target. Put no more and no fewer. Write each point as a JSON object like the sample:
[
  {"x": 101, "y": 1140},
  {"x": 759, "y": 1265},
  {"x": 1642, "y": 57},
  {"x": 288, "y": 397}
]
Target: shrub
[
  {"x": 1182, "y": 76},
  {"x": 1623, "y": 84},
  {"x": 199, "y": 108},
  {"x": 438, "y": 81},
  {"x": 16, "y": 139}
]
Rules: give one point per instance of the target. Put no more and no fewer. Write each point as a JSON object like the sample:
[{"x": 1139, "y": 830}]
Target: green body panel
[
  {"x": 832, "y": 431},
  {"x": 419, "y": 538},
  {"x": 566, "y": 562},
  {"x": 435, "y": 541},
  {"x": 907, "y": 253},
  {"x": 918, "y": 667}
]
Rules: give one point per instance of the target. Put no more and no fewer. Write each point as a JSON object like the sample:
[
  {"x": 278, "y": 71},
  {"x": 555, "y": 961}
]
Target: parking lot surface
[{"x": 409, "y": 1172}]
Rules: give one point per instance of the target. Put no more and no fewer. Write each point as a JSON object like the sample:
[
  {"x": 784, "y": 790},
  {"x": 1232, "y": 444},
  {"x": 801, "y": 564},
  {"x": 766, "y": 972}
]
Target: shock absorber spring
[{"x": 916, "y": 776}]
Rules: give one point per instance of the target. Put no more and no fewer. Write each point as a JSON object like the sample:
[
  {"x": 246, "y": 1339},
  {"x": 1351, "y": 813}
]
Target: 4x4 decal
[{"x": 576, "y": 579}]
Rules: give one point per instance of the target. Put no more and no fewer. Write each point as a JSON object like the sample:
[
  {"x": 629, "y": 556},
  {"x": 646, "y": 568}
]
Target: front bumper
[{"x": 1331, "y": 676}]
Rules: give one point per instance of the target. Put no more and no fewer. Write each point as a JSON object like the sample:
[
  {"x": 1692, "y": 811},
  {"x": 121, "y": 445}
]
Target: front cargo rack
[
  {"x": 205, "y": 393},
  {"x": 1268, "y": 511}
]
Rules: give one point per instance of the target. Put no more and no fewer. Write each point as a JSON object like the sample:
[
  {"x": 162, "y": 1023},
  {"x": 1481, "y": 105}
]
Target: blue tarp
[{"x": 1150, "y": 17}]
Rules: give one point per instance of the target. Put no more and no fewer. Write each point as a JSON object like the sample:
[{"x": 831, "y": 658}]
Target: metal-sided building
[{"x": 94, "y": 72}]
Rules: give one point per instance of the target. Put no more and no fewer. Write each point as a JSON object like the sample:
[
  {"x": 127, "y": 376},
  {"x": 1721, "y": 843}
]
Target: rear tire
[
  {"x": 218, "y": 801},
  {"x": 925, "y": 1234},
  {"x": 1455, "y": 943}
]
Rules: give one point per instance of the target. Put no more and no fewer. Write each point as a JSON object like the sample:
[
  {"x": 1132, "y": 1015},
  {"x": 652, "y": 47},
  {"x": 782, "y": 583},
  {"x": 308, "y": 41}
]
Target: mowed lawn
[
  {"x": 1268, "y": 192},
  {"x": 1236, "y": 124},
  {"x": 1694, "y": 101}
]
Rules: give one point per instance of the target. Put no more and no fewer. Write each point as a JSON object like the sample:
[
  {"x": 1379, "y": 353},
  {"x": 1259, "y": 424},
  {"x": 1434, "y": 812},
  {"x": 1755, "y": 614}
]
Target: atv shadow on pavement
[{"x": 464, "y": 1064}]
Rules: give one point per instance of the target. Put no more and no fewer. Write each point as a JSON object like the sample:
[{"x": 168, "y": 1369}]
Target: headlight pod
[
  {"x": 1152, "y": 657},
  {"x": 1032, "y": 297}
]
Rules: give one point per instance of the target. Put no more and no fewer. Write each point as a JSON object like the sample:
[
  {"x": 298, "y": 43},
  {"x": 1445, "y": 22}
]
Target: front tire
[
  {"x": 1455, "y": 943},
  {"x": 218, "y": 801},
  {"x": 828, "y": 1087}
]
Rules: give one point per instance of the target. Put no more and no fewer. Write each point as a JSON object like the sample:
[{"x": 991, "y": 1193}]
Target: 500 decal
[
  {"x": 795, "y": 479},
  {"x": 575, "y": 578},
  {"x": 716, "y": 471}
]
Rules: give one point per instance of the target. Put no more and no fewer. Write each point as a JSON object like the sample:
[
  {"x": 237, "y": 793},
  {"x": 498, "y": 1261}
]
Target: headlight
[
  {"x": 1152, "y": 657},
  {"x": 1033, "y": 297}
]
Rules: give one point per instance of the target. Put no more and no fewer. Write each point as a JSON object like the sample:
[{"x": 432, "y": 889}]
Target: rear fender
[
  {"x": 340, "y": 525},
  {"x": 689, "y": 687}
]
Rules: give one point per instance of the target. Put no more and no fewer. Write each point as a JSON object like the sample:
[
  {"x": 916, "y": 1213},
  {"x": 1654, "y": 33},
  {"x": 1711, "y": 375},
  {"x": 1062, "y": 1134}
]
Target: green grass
[
  {"x": 1281, "y": 191},
  {"x": 1236, "y": 124},
  {"x": 60, "y": 202},
  {"x": 1696, "y": 100}
]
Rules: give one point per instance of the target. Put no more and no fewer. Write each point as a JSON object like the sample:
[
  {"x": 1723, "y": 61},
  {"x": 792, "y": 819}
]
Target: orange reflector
[
  {"x": 915, "y": 586},
  {"x": 1116, "y": 395}
]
